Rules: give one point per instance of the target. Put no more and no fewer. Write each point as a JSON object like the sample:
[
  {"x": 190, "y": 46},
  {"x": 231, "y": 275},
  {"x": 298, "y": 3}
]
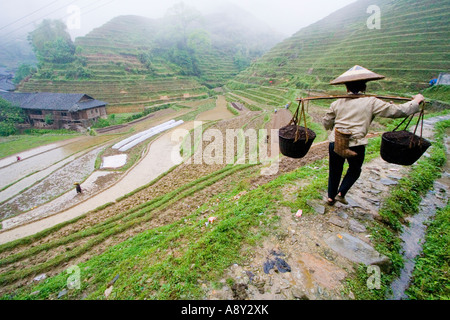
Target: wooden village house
[{"x": 58, "y": 110}]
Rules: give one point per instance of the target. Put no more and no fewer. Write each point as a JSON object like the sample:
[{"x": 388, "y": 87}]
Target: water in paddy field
[
  {"x": 44, "y": 160},
  {"x": 413, "y": 236},
  {"x": 51, "y": 186}
]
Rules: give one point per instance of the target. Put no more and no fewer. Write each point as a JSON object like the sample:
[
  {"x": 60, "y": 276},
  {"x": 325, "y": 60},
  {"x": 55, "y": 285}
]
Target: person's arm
[
  {"x": 328, "y": 120},
  {"x": 392, "y": 110}
]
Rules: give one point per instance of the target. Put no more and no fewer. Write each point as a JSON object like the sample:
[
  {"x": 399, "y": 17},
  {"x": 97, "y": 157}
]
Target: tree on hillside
[
  {"x": 23, "y": 72},
  {"x": 182, "y": 18},
  {"x": 183, "y": 43},
  {"x": 52, "y": 43},
  {"x": 199, "y": 40}
]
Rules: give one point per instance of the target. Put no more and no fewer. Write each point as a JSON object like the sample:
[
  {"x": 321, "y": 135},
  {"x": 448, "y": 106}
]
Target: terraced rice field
[{"x": 409, "y": 48}]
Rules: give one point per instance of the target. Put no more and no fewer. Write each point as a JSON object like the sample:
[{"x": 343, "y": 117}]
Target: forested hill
[
  {"x": 409, "y": 46},
  {"x": 135, "y": 61}
]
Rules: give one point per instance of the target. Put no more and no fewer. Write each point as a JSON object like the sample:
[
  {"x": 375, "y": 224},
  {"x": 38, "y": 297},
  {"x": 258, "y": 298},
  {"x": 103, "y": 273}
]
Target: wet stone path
[{"x": 321, "y": 249}]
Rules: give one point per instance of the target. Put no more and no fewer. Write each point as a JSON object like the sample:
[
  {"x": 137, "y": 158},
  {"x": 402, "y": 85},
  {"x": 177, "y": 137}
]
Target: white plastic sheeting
[{"x": 140, "y": 137}]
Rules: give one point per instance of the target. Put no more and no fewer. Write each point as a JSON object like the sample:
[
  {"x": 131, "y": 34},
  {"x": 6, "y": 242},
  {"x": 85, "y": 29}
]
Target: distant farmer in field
[
  {"x": 349, "y": 120},
  {"x": 78, "y": 188}
]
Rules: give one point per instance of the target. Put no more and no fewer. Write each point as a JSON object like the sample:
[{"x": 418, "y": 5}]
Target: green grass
[
  {"x": 16, "y": 144},
  {"x": 112, "y": 226},
  {"x": 431, "y": 276},
  {"x": 441, "y": 93},
  {"x": 232, "y": 110}
]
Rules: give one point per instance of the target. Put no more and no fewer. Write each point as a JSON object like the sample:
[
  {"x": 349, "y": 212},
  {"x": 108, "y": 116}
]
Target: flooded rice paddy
[{"x": 100, "y": 187}]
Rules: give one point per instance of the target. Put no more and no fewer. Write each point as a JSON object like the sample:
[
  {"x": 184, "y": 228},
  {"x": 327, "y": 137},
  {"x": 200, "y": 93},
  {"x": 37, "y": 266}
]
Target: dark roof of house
[
  {"x": 6, "y": 85},
  {"x": 71, "y": 102}
]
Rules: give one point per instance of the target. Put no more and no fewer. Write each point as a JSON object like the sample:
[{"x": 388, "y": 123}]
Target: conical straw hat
[{"x": 357, "y": 73}]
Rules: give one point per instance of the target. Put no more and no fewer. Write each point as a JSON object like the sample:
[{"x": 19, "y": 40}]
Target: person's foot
[
  {"x": 330, "y": 201},
  {"x": 341, "y": 199}
]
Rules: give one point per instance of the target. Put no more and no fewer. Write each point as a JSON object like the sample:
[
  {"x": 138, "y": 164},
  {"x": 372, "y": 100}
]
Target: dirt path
[
  {"x": 280, "y": 119},
  {"x": 220, "y": 112}
]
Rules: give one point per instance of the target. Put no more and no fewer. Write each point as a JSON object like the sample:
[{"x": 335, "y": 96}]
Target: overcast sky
[{"x": 285, "y": 16}]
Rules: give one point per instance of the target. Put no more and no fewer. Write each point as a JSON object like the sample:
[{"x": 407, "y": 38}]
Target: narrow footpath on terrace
[{"x": 309, "y": 256}]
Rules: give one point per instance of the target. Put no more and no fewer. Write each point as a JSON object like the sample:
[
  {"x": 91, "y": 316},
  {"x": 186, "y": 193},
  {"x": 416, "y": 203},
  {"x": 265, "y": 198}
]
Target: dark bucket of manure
[
  {"x": 403, "y": 147},
  {"x": 294, "y": 140}
]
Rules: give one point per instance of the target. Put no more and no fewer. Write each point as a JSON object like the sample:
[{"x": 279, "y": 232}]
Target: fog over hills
[{"x": 20, "y": 17}]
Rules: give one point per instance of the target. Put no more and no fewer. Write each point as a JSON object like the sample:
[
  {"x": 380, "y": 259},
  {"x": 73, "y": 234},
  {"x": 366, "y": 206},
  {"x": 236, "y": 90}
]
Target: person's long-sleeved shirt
[{"x": 356, "y": 115}]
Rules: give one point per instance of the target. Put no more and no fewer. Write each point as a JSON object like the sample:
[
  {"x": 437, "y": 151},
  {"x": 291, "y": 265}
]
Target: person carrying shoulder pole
[{"x": 349, "y": 120}]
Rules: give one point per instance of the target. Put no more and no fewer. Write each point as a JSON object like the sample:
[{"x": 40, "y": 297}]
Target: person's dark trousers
[{"x": 336, "y": 167}]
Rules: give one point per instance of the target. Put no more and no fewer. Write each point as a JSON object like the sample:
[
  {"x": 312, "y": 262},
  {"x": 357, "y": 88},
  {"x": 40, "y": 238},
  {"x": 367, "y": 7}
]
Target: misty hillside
[
  {"x": 133, "y": 61},
  {"x": 410, "y": 48},
  {"x": 15, "y": 52}
]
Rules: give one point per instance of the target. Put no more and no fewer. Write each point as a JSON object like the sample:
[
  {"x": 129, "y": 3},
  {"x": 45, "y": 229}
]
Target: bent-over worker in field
[
  {"x": 78, "y": 188},
  {"x": 349, "y": 120}
]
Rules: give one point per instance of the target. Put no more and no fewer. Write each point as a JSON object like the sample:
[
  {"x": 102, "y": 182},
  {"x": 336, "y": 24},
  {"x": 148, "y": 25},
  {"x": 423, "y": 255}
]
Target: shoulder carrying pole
[{"x": 355, "y": 96}]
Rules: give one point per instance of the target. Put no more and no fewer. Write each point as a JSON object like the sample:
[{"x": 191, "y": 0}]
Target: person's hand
[{"x": 419, "y": 98}]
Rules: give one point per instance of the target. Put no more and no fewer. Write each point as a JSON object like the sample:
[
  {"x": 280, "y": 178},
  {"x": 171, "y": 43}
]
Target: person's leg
[
  {"x": 354, "y": 170},
  {"x": 336, "y": 166}
]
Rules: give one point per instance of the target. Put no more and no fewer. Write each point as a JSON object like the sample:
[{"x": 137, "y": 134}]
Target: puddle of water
[
  {"x": 27, "y": 154},
  {"x": 163, "y": 155}
]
